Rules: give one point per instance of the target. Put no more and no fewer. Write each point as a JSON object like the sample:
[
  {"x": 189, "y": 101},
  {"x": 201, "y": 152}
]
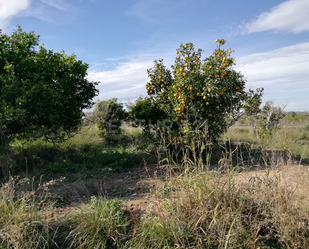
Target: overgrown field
[{"x": 253, "y": 195}]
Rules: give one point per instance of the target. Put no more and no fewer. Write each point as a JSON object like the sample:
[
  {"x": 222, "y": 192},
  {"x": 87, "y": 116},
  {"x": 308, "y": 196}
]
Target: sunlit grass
[
  {"x": 214, "y": 211},
  {"x": 289, "y": 138},
  {"x": 267, "y": 209},
  {"x": 217, "y": 208}
]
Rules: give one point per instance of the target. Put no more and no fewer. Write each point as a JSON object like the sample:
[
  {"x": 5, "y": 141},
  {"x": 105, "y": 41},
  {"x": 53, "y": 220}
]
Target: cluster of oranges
[{"x": 195, "y": 88}]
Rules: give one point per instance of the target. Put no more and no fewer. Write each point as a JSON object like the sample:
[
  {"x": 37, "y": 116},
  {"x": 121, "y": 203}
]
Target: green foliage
[
  {"x": 292, "y": 114},
  {"x": 292, "y": 117},
  {"x": 109, "y": 115},
  {"x": 102, "y": 225},
  {"x": 267, "y": 120},
  {"x": 82, "y": 156},
  {"x": 286, "y": 139},
  {"x": 198, "y": 92},
  {"x": 192, "y": 210},
  {"x": 146, "y": 113},
  {"x": 75, "y": 156},
  {"x": 42, "y": 93},
  {"x": 21, "y": 225}
]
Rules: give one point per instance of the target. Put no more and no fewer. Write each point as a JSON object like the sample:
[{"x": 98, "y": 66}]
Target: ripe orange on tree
[{"x": 215, "y": 89}]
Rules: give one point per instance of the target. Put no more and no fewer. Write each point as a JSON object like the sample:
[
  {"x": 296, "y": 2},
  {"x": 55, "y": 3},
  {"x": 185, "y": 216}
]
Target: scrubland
[{"x": 121, "y": 191}]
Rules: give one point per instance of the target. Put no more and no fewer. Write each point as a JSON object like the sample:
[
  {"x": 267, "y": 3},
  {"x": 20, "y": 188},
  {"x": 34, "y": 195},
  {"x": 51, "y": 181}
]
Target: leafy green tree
[
  {"x": 206, "y": 95},
  {"x": 145, "y": 113},
  {"x": 42, "y": 93},
  {"x": 109, "y": 115},
  {"x": 267, "y": 120}
]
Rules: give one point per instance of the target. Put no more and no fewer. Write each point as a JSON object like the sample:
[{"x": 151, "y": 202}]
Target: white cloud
[
  {"x": 283, "y": 73},
  {"x": 126, "y": 81},
  {"x": 38, "y": 9},
  {"x": 49, "y": 10},
  {"x": 291, "y": 16},
  {"x": 8, "y": 9},
  {"x": 58, "y": 4}
]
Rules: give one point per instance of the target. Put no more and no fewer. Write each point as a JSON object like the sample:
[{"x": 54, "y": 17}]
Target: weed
[
  {"x": 222, "y": 212},
  {"x": 102, "y": 224}
]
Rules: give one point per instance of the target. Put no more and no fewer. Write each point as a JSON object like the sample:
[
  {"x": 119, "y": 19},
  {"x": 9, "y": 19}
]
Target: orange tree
[{"x": 202, "y": 94}]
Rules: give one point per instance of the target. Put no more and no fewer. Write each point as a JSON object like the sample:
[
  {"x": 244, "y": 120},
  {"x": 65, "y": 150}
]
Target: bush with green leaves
[
  {"x": 109, "y": 116},
  {"x": 267, "y": 120},
  {"x": 43, "y": 93},
  {"x": 145, "y": 113},
  {"x": 202, "y": 94}
]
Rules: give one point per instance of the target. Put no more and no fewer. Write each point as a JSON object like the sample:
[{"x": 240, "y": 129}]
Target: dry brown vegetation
[{"x": 167, "y": 206}]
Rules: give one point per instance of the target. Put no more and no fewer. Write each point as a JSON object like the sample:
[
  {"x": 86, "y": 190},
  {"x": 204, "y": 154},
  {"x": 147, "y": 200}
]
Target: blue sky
[{"x": 120, "y": 39}]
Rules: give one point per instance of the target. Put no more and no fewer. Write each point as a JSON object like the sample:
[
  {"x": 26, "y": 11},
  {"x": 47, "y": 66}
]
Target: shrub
[
  {"x": 267, "y": 120},
  {"x": 206, "y": 95},
  {"x": 109, "y": 115}
]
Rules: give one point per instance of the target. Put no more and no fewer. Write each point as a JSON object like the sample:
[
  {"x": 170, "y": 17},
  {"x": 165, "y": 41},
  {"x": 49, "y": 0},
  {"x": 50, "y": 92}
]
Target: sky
[{"x": 120, "y": 39}]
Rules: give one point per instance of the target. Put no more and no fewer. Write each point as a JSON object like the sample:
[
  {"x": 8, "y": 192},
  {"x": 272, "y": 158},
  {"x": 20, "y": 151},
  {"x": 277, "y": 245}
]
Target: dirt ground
[
  {"x": 292, "y": 177},
  {"x": 138, "y": 188}
]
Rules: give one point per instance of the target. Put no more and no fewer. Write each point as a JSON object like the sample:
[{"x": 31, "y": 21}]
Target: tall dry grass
[{"x": 210, "y": 210}]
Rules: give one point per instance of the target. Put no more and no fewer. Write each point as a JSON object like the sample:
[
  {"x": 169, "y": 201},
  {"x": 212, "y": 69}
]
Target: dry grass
[
  {"x": 289, "y": 138},
  {"x": 193, "y": 208},
  {"x": 253, "y": 209},
  {"x": 261, "y": 209},
  {"x": 295, "y": 178}
]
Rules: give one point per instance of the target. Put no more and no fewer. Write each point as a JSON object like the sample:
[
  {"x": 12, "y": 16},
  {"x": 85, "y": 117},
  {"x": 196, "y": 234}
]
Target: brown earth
[
  {"x": 139, "y": 188},
  {"x": 136, "y": 188}
]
